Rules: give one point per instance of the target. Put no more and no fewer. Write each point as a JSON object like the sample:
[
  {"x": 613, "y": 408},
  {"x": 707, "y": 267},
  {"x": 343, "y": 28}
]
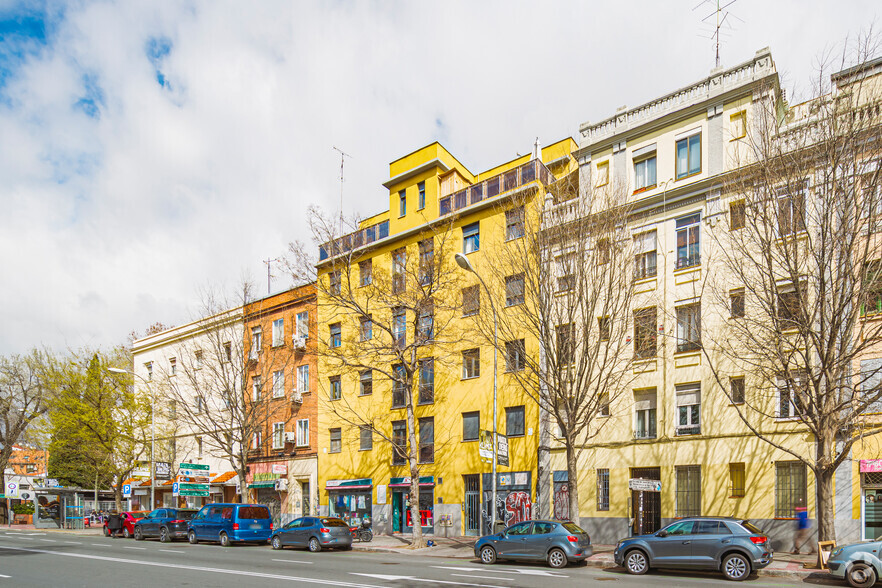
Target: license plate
[{"x": 254, "y": 526}]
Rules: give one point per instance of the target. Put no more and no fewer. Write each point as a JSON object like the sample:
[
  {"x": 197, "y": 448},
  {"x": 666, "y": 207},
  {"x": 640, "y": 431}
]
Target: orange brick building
[
  {"x": 28, "y": 461},
  {"x": 281, "y": 376}
]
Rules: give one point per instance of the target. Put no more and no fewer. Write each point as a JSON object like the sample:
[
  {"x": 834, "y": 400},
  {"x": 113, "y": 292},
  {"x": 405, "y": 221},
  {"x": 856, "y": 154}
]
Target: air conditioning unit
[
  {"x": 299, "y": 342},
  {"x": 281, "y": 485},
  {"x": 290, "y": 437},
  {"x": 297, "y": 398}
]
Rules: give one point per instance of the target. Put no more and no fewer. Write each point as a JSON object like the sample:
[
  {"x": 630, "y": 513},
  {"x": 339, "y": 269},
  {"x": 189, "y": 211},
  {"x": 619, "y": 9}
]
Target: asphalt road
[{"x": 54, "y": 559}]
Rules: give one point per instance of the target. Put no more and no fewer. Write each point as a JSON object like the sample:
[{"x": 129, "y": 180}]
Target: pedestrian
[{"x": 801, "y": 533}]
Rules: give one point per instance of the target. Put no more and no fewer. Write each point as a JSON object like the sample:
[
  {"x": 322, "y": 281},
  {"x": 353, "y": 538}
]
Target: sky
[{"x": 153, "y": 150}]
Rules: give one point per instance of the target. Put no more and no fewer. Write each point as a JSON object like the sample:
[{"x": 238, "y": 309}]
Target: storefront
[
  {"x": 402, "y": 521},
  {"x": 268, "y": 485},
  {"x": 871, "y": 498},
  {"x": 513, "y": 498},
  {"x": 350, "y": 499}
]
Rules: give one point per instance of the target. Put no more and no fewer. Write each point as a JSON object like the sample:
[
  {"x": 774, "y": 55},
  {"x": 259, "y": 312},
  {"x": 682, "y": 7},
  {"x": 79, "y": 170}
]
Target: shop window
[{"x": 688, "y": 492}]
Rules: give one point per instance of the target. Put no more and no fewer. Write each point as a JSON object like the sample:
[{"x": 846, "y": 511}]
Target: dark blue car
[
  {"x": 231, "y": 523},
  {"x": 165, "y": 523}
]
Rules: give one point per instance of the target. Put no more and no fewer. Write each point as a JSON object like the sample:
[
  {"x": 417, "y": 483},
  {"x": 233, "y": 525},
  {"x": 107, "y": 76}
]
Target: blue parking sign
[
  {"x": 127, "y": 490},
  {"x": 175, "y": 489}
]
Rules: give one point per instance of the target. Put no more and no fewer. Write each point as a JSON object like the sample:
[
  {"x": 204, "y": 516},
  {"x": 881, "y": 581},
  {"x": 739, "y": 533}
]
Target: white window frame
[
  {"x": 641, "y": 159},
  {"x": 256, "y": 388},
  {"x": 303, "y": 378},
  {"x": 302, "y": 432},
  {"x": 278, "y": 383},
  {"x": 645, "y": 249},
  {"x": 278, "y": 332},
  {"x": 688, "y": 395},
  {"x": 471, "y": 238},
  {"x": 256, "y": 342},
  {"x": 279, "y": 435},
  {"x": 303, "y": 324}
]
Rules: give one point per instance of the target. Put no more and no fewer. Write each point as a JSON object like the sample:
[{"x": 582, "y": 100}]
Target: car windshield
[
  {"x": 184, "y": 514},
  {"x": 573, "y": 528},
  {"x": 137, "y": 515},
  {"x": 334, "y": 523},
  {"x": 253, "y": 512},
  {"x": 751, "y": 527}
]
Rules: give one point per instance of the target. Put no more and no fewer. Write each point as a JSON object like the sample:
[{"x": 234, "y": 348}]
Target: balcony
[
  {"x": 354, "y": 240},
  {"x": 492, "y": 187}
]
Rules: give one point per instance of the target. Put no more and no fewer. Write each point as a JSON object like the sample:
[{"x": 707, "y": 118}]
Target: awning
[
  {"x": 360, "y": 484},
  {"x": 263, "y": 484},
  {"x": 405, "y": 482}
]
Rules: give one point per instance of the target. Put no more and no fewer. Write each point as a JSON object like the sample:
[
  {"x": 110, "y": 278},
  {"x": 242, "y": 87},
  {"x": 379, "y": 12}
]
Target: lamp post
[
  {"x": 152, "y": 431},
  {"x": 463, "y": 262}
]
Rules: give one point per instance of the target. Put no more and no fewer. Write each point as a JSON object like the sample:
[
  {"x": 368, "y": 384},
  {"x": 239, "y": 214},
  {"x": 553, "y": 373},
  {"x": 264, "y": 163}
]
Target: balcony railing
[
  {"x": 685, "y": 346},
  {"x": 492, "y": 187},
  {"x": 685, "y": 261},
  {"x": 354, "y": 240},
  {"x": 688, "y": 430}
]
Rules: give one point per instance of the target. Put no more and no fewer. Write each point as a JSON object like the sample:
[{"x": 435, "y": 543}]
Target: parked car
[
  {"x": 165, "y": 523},
  {"x": 554, "y": 542},
  {"x": 733, "y": 546},
  {"x": 231, "y": 523},
  {"x": 128, "y": 521},
  {"x": 858, "y": 563},
  {"x": 314, "y": 533}
]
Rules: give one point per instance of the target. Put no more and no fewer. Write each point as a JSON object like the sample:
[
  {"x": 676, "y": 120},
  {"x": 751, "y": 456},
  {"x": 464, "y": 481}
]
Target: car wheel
[
  {"x": 163, "y": 535},
  {"x": 126, "y": 533},
  {"x": 314, "y": 545},
  {"x": 139, "y": 535},
  {"x": 191, "y": 537},
  {"x": 736, "y": 567},
  {"x": 636, "y": 562},
  {"x": 861, "y": 575},
  {"x": 224, "y": 540},
  {"x": 488, "y": 555},
  {"x": 277, "y": 542},
  {"x": 557, "y": 558}
]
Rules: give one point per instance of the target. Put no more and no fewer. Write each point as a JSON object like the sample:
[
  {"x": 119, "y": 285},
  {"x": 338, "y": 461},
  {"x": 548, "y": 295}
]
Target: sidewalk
[
  {"x": 786, "y": 565},
  {"x": 99, "y": 530}
]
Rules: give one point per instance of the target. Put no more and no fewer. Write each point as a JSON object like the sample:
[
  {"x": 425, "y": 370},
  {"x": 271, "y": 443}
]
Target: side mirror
[{"x": 661, "y": 534}]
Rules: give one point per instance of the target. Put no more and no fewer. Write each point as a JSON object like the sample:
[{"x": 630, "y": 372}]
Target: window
[
  {"x": 736, "y": 389},
  {"x": 366, "y": 328},
  {"x": 336, "y": 389},
  {"x": 644, "y": 168},
  {"x": 199, "y": 360},
  {"x": 399, "y": 327},
  {"x": 336, "y": 335},
  {"x": 278, "y": 332},
  {"x": 515, "y": 355},
  {"x": 256, "y": 440},
  {"x": 278, "y": 384},
  {"x": 256, "y": 388},
  {"x": 514, "y": 223},
  {"x": 366, "y": 383},
  {"x": 736, "y": 303},
  {"x": 172, "y": 409},
  {"x": 30, "y": 468},
  {"x": 149, "y": 367},
  {"x": 645, "y": 413},
  {"x": 645, "y": 249},
  {"x": 366, "y": 272},
  {"x": 336, "y": 440},
  {"x": 603, "y": 405},
  {"x": 602, "y": 489},
  {"x": 688, "y": 409},
  {"x": 427, "y": 381},
  {"x": 871, "y": 385},
  {"x": 471, "y": 238},
  {"x": 303, "y": 379},
  {"x": 421, "y": 188},
  {"x": 871, "y": 288},
  {"x": 173, "y": 366},
  {"x": 302, "y": 432},
  {"x": 789, "y": 303},
  {"x": 689, "y": 156},
  {"x": 471, "y": 300},
  {"x": 514, "y": 290},
  {"x": 565, "y": 345},
  {"x": 603, "y": 251},
  {"x": 603, "y": 326},
  {"x": 399, "y": 442},
  {"x": 645, "y": 333},
  {"x": 471, "y": 363},
  {"x": 402, "y": 203},
  {"x": 303, "y": 324},
  {"x": 737, "y": 215},
  {"x": 566, "y": 276},
  {"x": 736, "y": 480},
  {"x": 427, "y": 261},
  {"x": 426, "y": 323},
  {"x": 334, "y": 282},
  {"x": 278, "y": 435},
  {"x": 688, "y": 241},
  {"x": 471, "y": 425},
  {"x": 688, "y": 327},
  {"x": 790, "y": 488},
  {"x": 791, "y": 208},
  {"x": 738, "y": 125},
  {"x": 427, "y": 440},
  {"x": 602, "y": 174},
  {"x": 399, "y": 266},
  {"x": 256, "y": 341},
  {"x": 688, "y": 491},
  {"x": 790, "y": 393},
  {"x": 514, "y": 421},
  {"x": 365, "y": 439},
  {"x": 399, "y": 387}
]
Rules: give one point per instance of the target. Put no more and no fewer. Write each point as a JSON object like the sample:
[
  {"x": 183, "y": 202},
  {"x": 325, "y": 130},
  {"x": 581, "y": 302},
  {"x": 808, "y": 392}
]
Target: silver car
[
  {"x": 859, "y": 564},
  {"x": 553, "y": 542}
]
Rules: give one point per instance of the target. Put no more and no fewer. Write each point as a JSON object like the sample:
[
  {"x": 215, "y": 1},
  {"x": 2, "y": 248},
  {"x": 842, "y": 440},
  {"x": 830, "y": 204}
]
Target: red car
[{"x": 129, "y": 518}]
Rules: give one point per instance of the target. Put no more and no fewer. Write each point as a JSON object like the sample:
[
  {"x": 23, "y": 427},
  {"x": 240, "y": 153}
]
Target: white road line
[
  {"x": 293, "y": 561},
  {"x": 49, "y": 540},
  {"x": 483, "y": 577},
  {"x": 171, "y": 550},
  {"x": 2, "y": 576},
  {"x": 73, "y": 542},
  {"x": 26, "y": 538},
  {"x": 156, "y": 564},
  {"x": 100, "y": 544},
  {"x": 139, "y": 548}
]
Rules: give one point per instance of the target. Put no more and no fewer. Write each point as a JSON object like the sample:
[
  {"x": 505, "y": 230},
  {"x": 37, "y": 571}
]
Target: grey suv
[{"x": 733, "y": 546}]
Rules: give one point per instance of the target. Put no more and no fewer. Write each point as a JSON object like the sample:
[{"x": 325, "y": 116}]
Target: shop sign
[
  {"x": 502, "y": 450},
  {"x": 280, "y": 468},
  {"x": 869, "y": 466},
  {"x": 141, "y": 473},
  {"x": 405, "y": 482},
  {"x": 504, "y": 480},
  {"x": 162, "y": 470},
  {"x": 641, "y": 485},
  {"x": 485, "y": 445},
  {"x": 348, "y": 484},
  {"x": 265, "y": 477}
]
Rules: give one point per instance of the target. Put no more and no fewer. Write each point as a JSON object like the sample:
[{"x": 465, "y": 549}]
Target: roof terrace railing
[
  {"x": 499, "y": 184},
  {"x": 354, "y": 240}
]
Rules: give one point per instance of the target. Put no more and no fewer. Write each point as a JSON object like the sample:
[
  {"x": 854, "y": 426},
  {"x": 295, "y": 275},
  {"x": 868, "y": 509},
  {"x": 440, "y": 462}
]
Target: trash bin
[{"x": 499, "y": 527}]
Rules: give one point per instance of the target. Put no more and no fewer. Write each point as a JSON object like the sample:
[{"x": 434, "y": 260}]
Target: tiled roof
[{"x": 220, "y": 479}]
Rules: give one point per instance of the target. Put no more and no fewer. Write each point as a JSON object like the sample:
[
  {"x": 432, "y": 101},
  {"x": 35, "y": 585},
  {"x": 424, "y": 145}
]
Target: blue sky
[{"x": 150, "y": 149}]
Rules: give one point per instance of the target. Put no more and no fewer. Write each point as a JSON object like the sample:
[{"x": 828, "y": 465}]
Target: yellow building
[{"x": 397, "y": 268}]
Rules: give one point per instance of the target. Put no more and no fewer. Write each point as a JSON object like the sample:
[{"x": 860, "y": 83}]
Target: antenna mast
[
  {"x": 343, "y": 157},
  {"x": 720, "y": 21},
  {"x": 269, "y": 275}
]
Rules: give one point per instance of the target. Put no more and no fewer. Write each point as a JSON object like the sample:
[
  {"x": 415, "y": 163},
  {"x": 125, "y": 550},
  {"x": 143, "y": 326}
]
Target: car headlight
[{"x": 835, "y": 553}]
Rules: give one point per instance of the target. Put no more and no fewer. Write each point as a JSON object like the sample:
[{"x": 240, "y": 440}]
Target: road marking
[
  {"x": 391, "y": 578},
  {"x": 73, "y": 542},
  {"x": 248, "y": 573},
  {"x": 293, "y": 561},
  {"x": 141, "y": 548},
  {"x": 48, "y": 540},
  {"x": 100, "y": 544},
  {"x": 2, "y": 576},
  {"x": 525, "y": 572},
  {"x": 482, "y": 577},
  {"x": 171, "y": 550}
]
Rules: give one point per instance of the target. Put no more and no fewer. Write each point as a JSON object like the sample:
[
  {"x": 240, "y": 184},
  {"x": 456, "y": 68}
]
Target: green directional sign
[
  {"x": 183, "y": 492},
  {"x": 194, "y": 466},
  {"x": 200, "y": 487}
]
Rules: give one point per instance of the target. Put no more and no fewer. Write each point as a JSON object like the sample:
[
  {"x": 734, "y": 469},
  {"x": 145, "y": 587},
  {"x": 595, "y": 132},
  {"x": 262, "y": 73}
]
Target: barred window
[
  {"x": 602, "y": 489},
  {"x": 790, "y": 488},
  {"x": 688, "y": 491}
]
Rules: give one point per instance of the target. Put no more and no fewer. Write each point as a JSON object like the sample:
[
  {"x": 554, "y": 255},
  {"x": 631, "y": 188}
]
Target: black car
[{"x": 165, "y": 523}]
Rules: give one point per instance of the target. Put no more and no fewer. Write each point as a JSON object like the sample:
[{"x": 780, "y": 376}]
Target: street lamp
[
  {"x": 152, "y": 431},
  {"x": 463, "y": 262}
]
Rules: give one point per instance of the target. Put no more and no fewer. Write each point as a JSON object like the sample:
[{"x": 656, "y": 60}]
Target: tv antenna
[
  {"x": 269, "y": 274},
  {"x": 343, "y": 157},
  {"x": 722, "y": 19}
]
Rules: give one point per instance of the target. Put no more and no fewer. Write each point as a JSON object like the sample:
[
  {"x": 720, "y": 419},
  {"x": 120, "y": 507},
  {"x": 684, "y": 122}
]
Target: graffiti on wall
[
  {"x": 562, "y": 501},
  {"x": 518, "y": 508}
]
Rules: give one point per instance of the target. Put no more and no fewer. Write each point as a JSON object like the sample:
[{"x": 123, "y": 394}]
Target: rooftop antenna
[
  {"x": 343, "y": 157},
  {"x": 721, "y": 19},
  {"x": 269, "y": 275}
]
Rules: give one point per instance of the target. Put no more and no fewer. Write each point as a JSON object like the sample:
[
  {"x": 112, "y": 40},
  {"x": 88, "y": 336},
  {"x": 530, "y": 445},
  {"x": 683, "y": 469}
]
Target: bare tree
[
  {"x": 798, "y": 273},
  {"x": 397, "y": 324},
  {"x": 23, "y": 396},
  {"x": 567, "y": 272}
]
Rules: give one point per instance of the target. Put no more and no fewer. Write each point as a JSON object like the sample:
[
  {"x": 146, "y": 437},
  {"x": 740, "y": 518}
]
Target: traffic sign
[
  {"x": 194, "y": 466},
  {"x": 12, "y": 489},
  {"x": 193, "y": 469},
  {"x": 175, "y": 489},
  {"x": 127, "y": 490},
  {"x": 186, "y": 486},
  {"x": 192, "y": 493}
]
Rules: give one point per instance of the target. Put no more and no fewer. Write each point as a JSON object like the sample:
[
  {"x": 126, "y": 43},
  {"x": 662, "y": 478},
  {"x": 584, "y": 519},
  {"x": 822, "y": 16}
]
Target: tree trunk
[
  {"x": 243, "y": 487},
  {"x": 573, "y": 484},
  {"x": 117, "y": 496},
  {"x": 544, "y": 487},
  {"x": 824, "y": 504},
  {"x": 413, "y": 460}
]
